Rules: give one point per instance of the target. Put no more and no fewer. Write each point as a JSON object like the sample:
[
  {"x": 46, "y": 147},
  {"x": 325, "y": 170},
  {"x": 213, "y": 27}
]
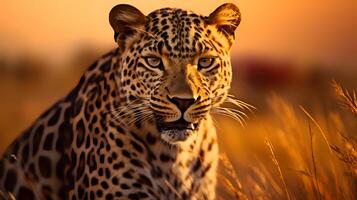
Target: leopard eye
[
  {"x": 153, "y": 62},
  {"x": 205, "y": 62}
]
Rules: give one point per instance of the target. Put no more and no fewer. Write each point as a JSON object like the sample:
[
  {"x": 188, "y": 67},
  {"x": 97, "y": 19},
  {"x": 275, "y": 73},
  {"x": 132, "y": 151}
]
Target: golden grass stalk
[
  {"x": 318, "y": 126},
  {"x": 236, "y": 186},
  {"x": 314, "y": 164},
  {"x": 349, "y": 100},
  {"x": 347, "y": 154},
  {"x": 275, "y": 161},
  {"x": 230, "y": 169}
]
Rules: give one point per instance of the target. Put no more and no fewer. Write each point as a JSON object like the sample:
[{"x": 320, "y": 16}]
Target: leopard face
[{"x": 175, "y": 64}]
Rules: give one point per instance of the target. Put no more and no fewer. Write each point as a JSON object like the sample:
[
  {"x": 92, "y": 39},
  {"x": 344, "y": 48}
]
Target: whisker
[
  {"x": 216, "y": 124},
  {"x": 147, "y": 118},
  {"x": 241, "y": 119},
  {"x": 140, "y": 118},
  {"x": 232, "y": 99},
  {"x": 129, "y": 109},
  {"x": 237, "y": 111},
  {"x": 127, "y": 113},
  {"x": 228, "y": 113}
]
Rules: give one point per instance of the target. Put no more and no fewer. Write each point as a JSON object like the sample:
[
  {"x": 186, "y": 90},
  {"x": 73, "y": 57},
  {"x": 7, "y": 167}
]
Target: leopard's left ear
[
  {"x": 226, "y": 18},
  {"x": 125, "y": 20}
]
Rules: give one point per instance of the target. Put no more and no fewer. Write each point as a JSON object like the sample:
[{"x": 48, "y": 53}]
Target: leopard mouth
[
  {"x": 176, "y": 131},
  {"x": 180, "y": 124}
]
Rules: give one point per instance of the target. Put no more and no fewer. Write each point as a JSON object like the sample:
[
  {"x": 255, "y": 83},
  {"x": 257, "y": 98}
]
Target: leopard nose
[{"x": 182, "y": 104}]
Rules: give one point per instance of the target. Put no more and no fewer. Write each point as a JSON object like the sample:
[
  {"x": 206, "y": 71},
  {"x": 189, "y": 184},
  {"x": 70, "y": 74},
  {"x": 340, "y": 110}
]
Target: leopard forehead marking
[{"x": 178, "y": 33}]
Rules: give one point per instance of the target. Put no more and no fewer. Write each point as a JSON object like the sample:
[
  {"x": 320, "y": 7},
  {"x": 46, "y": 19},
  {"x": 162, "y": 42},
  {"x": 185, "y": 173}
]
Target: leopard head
[{"x": 175, "y": 64}]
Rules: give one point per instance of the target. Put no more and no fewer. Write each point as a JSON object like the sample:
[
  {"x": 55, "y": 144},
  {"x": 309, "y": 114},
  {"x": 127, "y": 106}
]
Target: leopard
[{"x": 138, "y": 124}]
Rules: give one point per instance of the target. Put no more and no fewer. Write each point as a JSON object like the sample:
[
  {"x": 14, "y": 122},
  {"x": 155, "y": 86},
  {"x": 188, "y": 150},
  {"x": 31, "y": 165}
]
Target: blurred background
[{"x": 284, "y": 60}]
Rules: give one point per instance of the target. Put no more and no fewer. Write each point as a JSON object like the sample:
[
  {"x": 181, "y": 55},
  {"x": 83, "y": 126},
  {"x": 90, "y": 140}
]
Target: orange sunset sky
[{"x": 319, "y": 30}]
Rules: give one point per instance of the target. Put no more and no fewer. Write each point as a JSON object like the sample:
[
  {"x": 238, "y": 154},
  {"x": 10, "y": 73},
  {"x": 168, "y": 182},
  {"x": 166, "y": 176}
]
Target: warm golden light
[
  {"x": 295, "y": 61},
  {"x": 323, "y": 30}
]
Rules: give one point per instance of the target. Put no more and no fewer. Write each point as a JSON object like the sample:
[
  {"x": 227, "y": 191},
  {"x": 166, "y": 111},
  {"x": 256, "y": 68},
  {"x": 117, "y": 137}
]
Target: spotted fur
[{"x": 138, "y": 124}]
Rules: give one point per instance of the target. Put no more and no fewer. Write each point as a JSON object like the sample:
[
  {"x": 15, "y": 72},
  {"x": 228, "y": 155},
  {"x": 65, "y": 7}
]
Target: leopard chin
[{"x": 176, "y": 136}]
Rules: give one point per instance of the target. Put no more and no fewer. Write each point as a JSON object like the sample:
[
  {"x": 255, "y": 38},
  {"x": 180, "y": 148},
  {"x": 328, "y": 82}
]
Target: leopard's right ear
[{"x": 125, "y": 20}]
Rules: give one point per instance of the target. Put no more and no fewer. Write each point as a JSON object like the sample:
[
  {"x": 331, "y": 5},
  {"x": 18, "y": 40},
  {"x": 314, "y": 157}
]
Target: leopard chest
[{"x": 135, "y": 162}]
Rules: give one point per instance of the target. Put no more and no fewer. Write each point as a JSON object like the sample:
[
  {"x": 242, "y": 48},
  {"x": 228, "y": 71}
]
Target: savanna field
[
  {"x": 294, "y": 65},
  {"x": 296, "y": 141}
]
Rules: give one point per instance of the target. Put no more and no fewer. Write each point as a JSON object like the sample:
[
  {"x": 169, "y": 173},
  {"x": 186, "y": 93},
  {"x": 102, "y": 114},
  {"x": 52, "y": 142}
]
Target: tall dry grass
[
  {"x": 293, "y": 152},
  {"x": 347, "y": 99},
  {"x": 310, "y": 153}
]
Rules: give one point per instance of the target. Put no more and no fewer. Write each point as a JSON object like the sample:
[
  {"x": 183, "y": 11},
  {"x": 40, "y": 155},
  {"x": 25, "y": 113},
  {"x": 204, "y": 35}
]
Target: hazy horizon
[{"x": 322, "y": 31}]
